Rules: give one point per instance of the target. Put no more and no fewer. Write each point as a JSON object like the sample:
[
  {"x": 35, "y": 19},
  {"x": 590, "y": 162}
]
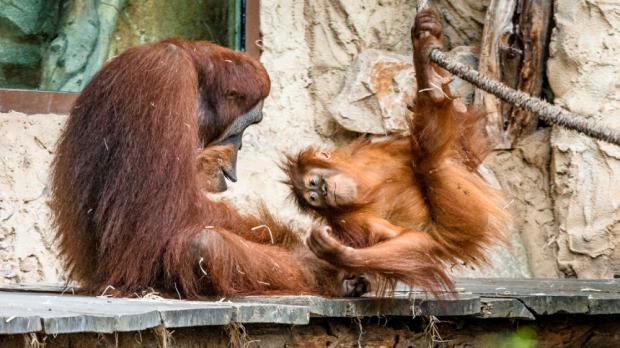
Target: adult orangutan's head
[{"x": 231, "y": 93}]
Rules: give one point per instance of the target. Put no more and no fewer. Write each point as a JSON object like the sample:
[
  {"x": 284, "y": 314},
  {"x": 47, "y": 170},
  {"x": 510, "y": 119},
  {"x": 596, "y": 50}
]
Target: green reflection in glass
[{"x": 58, "y": 45}]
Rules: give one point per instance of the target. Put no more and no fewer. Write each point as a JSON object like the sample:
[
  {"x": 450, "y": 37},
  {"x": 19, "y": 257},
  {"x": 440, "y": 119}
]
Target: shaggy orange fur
[{"x": 419, "y": 201}]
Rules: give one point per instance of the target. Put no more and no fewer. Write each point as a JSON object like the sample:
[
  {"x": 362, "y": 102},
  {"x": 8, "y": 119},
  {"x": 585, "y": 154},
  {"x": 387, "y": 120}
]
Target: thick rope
[{"x": 548, "y": 112}]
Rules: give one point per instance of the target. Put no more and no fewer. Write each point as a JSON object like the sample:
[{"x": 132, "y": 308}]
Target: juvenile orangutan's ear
[{"x": 323, "y": 154}]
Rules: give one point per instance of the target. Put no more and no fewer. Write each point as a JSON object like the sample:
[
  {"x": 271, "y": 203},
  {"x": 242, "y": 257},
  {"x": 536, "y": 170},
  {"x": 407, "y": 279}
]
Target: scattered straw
[
  {"x": 432, "y": 332},
  {"x": 238, "y": 337},
  {"x": 268, "y": 230},
  {"x": 103, "y": 294},
  {"x": 150, "y": 294},
  {"x": 164, "y": 337},
  {"x": 200, "y": 265},
  {"x": 177, "y": 290},
  {"x": 32, "y": 340},
  {"x": 138, "y": 337},
  {"x": 360, "y": 328}
]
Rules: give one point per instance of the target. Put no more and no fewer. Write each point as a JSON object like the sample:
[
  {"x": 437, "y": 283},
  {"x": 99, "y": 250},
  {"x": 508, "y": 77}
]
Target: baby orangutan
[{"x": 401, "y": 208}]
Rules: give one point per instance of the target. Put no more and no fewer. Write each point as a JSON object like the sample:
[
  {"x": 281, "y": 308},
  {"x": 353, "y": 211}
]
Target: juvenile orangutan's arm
[
  {"x": 382, "y": 230},
  {"x": 409, "y": 257}
]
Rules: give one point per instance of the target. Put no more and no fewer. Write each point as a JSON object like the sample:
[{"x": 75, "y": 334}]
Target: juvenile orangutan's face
[{"x": 325, "y": 188}]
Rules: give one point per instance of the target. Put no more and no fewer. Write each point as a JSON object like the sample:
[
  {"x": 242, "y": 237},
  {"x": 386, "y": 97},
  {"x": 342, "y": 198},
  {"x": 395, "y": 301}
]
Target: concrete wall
[{"x": 560, "y": 186}]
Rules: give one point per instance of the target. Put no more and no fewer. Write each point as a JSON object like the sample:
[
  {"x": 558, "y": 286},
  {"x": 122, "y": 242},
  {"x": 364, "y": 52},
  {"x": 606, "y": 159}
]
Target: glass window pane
[{"x": 58, "y": 45}]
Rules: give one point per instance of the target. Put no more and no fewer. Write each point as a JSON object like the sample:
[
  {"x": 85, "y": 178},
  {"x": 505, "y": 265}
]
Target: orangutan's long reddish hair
[{"x": 126, "y": 195}]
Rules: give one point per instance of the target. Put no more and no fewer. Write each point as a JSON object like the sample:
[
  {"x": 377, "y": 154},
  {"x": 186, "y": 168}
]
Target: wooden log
[
  {"x": 534, "y": 30},
  {"x": 514, "y": 55},
  {"x": 497, "y": 31}
]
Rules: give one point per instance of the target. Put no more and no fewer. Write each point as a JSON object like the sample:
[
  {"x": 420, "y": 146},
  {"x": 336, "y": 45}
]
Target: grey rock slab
[
  {"x": 181, "y": 313},
  {"x": 542, "y": 304},
  {"x": 65, "y": 314},
  {"x": 38, "y": 287},
  {"x": 604, "y": 303},
  {"x": 342, "y": 307},
  {"x": 505, "y": 308},
  {"x": 503, "y": 286},
  {"x": 251, "y": 312},
  {"x": 244, "y": 310},
  {"x": 463, "y": 305},
  {"x": 373, "y": 306},
  {"x": 17, "y": 322},
  {"x": 201, "y": 316},
  {"x": 60, "y": 322}
]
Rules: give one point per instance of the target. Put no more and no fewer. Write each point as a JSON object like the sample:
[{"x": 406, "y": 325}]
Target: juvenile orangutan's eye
[
  {"x": 314, "y": 182},
  {"x": 313, "y": 198}
]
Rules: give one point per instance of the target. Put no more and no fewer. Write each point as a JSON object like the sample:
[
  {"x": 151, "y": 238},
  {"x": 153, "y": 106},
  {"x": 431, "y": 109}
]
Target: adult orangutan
[
  {"x": 401, "y": 208},
  {"x": 153, "y": 128}
]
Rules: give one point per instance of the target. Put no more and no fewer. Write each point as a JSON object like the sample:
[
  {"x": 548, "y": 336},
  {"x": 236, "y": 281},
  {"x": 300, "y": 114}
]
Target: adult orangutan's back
[{"x": 123, "y": 172}]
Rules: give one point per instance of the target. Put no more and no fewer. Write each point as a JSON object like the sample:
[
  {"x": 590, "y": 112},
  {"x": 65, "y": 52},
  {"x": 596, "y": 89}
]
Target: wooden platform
[{"x": 54, "y": 310}]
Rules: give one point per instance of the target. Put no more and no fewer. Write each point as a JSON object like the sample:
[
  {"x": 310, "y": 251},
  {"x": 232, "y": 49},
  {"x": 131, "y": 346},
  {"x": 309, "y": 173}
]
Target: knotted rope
[{"x": 549, "y": 113}]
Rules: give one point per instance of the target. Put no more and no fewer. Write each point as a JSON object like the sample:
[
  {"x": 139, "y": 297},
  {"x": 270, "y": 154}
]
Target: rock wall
[
  {"x": 583, "y": 71},
  {"x": 26, "y": 240}
]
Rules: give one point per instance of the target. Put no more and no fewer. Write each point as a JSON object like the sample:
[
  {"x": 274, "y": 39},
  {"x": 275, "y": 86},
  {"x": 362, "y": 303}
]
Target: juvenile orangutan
[{"x": 401, "y": 208}]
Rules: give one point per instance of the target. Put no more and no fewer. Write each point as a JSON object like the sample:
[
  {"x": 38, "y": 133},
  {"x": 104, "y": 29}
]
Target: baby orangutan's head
[{"x": 320, "y": 182}]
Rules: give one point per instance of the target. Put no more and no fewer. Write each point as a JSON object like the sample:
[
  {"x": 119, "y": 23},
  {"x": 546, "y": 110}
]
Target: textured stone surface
[
  {"x": 380, "y": 85},
  {"x": 583, "y": 71},
  {"x": 523, "y": 174},
  {"x": 26, "y": 242},
  {"x": 338, "y": 31},
  {"x": 377, "y": 90}
]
